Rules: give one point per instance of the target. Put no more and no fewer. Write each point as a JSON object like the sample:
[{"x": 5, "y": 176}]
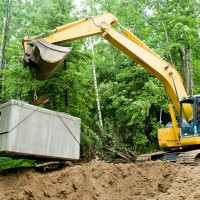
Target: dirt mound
[{"x": 98, "y": 180}]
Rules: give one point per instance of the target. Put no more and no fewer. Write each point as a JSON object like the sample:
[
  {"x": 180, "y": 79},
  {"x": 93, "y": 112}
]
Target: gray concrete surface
[{"x": 27, "y": 130}]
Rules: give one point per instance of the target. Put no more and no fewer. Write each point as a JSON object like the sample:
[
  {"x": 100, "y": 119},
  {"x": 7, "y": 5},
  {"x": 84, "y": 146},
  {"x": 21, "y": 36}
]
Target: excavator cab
[
  {"x": 43, "y": 58},
  {"x": 190, "y": 127}
]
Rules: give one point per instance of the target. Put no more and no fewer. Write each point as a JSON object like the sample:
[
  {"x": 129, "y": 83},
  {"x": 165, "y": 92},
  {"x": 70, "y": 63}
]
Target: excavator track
[
  {"x": 149, "y": 156},
  {"x": 191, "y": 158}
]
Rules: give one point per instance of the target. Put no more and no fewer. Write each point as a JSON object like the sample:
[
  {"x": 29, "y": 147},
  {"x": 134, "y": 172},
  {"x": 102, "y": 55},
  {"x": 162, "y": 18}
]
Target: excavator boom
[{"x": 125, "y": 41}]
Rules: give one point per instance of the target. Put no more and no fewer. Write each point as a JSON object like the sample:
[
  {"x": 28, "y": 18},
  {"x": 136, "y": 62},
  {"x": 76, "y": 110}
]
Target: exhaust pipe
[{"x": 43, "y": 58}]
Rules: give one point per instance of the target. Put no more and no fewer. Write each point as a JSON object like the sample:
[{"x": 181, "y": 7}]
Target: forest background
[{"x": 130, "y": 97}]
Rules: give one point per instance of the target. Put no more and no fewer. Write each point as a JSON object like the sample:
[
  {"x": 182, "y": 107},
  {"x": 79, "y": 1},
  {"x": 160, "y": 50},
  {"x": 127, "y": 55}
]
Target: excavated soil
[{"x": 98, "y": 180}]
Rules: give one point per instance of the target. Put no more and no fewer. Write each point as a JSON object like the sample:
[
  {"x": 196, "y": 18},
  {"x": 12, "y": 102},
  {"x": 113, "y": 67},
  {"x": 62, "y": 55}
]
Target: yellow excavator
[{"x": 180, "y": 139}]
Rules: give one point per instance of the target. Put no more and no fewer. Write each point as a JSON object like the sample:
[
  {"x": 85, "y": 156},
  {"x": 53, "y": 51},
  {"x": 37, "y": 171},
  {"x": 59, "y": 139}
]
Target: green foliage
[
  {"x": 6, "y": 163},
  {"x": 90, "y": 142},
  {"x": 130, "y": 98},
  {"x": 70, "y": 88}
]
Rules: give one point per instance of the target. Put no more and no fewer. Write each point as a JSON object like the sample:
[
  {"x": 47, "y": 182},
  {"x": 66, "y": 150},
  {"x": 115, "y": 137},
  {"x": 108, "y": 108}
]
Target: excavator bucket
[{"x": 43, "y": 58}]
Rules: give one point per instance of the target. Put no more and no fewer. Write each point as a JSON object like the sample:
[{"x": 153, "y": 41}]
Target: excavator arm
[{"x": 124, "y": 40}]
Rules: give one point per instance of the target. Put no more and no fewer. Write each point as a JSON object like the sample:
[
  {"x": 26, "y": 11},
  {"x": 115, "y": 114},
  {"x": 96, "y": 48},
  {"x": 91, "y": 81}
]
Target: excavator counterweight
[{"x": 43, "y": 58}]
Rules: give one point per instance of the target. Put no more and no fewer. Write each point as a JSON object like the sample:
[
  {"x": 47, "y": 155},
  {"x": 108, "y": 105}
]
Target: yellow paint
[{"x": 167, "y": 138}]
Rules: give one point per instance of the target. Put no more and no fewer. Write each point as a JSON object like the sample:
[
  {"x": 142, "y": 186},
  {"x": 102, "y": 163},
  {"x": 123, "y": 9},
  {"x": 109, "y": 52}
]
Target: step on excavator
[{"x": 180, "y": 140}]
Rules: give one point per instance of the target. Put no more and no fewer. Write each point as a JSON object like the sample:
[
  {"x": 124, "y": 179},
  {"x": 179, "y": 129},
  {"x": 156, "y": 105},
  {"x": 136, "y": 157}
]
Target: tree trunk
[
  {"x": 182, "y": 65},
  {"x": 66, "y": 90},
  {"x": 189, "y": 70},
  {"x": 186, "y": 69},
  {"x": 96, "y": 90},
  {"x": 5, "y": 34}
]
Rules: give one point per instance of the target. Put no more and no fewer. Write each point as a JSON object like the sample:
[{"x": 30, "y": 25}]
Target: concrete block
[{"x": 31, "y": 131}]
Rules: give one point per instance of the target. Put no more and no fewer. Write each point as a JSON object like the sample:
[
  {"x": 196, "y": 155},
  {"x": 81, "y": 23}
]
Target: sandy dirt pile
[{"x": 98, "y": 180}]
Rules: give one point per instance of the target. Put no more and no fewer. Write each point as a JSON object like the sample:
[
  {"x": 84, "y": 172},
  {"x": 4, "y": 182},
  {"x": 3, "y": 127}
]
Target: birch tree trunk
[
  {"x": 95, "y": 78},
  {"x": 96, "y": 89}
]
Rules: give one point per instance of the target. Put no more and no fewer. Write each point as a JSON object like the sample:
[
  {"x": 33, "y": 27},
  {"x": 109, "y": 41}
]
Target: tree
[
  {"x": 5, "y": 31},
  {"x": 177, "y": 23}
]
